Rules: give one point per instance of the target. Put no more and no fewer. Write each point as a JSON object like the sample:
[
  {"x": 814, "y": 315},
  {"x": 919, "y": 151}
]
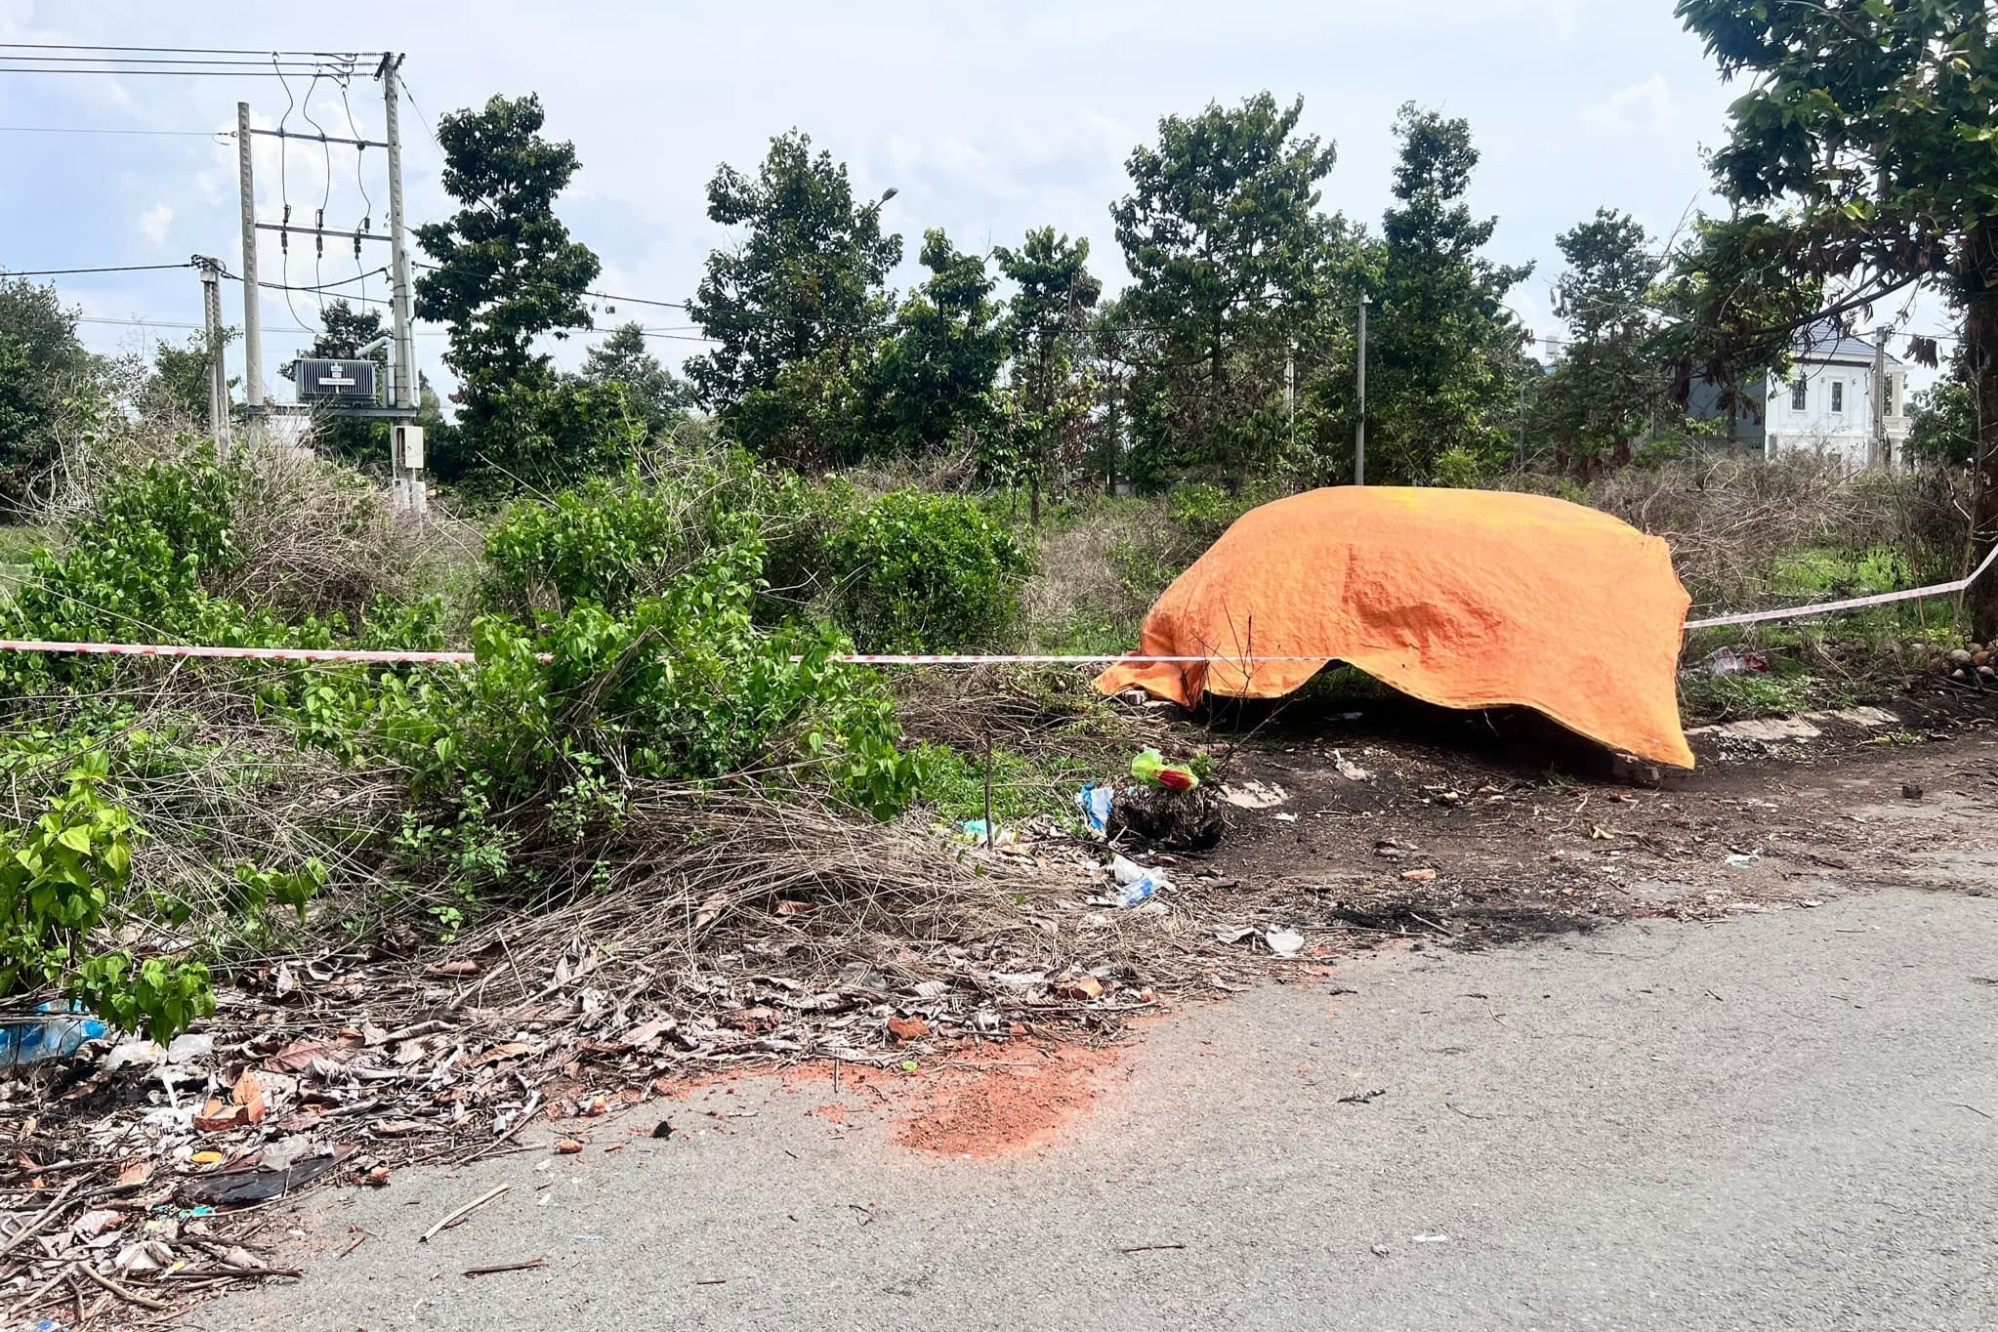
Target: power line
[
  {"x": 113, "y": 268},
  {"x": 135, "y": 60},
  {"x": 77, "y": 129},
  {"x": 179, "y": 50},
  {"x": 164, "y": 73},
  {"x": 600, "y": 295}
]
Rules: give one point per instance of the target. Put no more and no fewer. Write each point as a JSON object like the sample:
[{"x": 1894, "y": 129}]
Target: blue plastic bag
[
  {"x": 1095, "y": 802},
  {"x": 57, "y": 1037}
]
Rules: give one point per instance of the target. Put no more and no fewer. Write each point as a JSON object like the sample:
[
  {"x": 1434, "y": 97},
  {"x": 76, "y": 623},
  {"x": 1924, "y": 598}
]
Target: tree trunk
[
  {"x": 1980, "y": 330},
  {"x": 1034, "y": 501}
]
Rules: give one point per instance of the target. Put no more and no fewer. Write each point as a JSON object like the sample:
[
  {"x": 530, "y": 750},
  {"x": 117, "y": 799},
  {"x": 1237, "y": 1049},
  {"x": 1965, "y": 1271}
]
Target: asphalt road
[{"x": 1786, "y": 1121}]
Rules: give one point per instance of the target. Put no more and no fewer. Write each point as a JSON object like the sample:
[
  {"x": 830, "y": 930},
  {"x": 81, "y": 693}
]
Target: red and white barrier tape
[
  {"x": 1850, "y": 603},
  {"x": 394, "y": 658}
]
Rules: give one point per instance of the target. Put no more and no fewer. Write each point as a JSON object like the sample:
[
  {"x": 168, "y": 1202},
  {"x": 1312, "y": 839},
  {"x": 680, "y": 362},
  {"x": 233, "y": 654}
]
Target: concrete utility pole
[
  {"x": 1880, "y": 453},
  {"x": 253, "y": 328},
  {"x": 1360, "y": 425},
  {"x": 402, "y": 372},
  {"x": 1290, "y": 389},
  {"x": 211, "y": 322}
]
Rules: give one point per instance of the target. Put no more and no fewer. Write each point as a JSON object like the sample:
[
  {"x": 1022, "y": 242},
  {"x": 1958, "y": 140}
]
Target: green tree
[
  {"x": 1942, "y": 419},
  {"x": 1865, "y": 152},
  {"x": 46, "y": 378},
  {"x": 803, "y": 292},
  {"x": 1606, "y": 387},
  {"x": 1051, "y": 393},
  {"x": 343, "y": 331},
  {"x": 1444, "y": 362},
  {"x": 175, "y": 387},
  {"x": 657, "y": 395},
  {"x": 1225, "y": 247},
  {"x": 506, "y": 273},
  {"x": 932, "y": 383}
]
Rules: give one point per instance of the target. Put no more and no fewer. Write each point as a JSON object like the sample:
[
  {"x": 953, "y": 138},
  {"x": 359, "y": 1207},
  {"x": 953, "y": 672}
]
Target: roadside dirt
[
  {"x": 1381, "y": 825},
  {"x": 1408, "y": 822}
]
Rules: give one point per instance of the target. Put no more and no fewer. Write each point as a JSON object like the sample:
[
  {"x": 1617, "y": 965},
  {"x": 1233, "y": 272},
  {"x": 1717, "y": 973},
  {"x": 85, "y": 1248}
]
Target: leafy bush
[
  {"x": 132, "y": 570},
  {"x": 921, "y": 572},
  {"x": 681, "y": 686},
  {"x": 614, "y": 539},
  {"x": 58, "y": 878}
]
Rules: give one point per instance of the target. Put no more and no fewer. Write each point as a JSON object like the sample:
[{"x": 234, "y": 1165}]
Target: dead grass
[{"x": 1731, "y": 520}]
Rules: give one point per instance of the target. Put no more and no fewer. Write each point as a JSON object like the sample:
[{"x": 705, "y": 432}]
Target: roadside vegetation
[{"x": 655, "y": 565}]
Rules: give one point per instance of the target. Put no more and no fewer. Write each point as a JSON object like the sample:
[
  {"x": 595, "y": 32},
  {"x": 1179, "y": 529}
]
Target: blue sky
[{"x": 987, "y": 118}]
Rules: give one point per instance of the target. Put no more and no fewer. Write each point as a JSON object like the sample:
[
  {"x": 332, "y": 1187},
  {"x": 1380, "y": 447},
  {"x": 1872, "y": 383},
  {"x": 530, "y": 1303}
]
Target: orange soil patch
[{"x": 993, "y": 1108}]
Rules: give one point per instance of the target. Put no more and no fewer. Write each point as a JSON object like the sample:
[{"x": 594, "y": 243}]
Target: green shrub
[
  {"x": 615, "y": 539},
  {"x": 920, "y": 572},
  {"x": 682, "y": 686},
  {"x": 58, "y": 878}
]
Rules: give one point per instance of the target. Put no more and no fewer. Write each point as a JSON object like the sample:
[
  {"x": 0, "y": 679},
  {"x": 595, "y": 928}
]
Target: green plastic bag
[{"x": 1151, "y": 768}]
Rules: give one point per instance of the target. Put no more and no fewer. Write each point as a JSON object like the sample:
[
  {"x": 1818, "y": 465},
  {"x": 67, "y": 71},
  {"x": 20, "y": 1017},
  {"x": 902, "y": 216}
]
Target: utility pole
[
  {"x": 211, "y": 321},
  {"x": 1360, "y": 424},
  {"x": 253, "y": 328},
  {"x": 1879, "y": 453},
  {"x": 408, "y": 470},
  {"x": 1290, "y": 390}
]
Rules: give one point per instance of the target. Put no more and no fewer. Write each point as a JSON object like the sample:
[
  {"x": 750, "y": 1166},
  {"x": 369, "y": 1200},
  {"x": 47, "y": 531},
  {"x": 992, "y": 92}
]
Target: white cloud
[
  {"x": 1642, "y": 108},
  {"x": 155, "y": 222}
]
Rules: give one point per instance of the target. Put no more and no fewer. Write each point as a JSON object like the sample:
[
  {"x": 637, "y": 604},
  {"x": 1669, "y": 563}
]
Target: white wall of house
[{"x": 1827, "y": 407}]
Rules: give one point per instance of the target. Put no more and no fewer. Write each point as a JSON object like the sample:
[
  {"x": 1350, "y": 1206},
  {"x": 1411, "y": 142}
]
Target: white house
[{"x": 1826, "y": 404}]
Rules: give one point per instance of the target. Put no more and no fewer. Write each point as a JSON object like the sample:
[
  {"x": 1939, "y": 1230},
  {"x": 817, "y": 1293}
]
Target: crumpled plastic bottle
[{"x": 1135, "y": 883}]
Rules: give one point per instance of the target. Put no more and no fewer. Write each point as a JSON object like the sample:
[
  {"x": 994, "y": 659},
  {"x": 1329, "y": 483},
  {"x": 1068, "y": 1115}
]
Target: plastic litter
[
  {"x": 1135, "y": 883},
  {"x": 55, "y": 1037},
  {"x": 1726, "y": 661},
  {"x": 1284, "y": 943},
  {"x": 1095, "y": 802},
  {"x": 1151, "y": 768},
  {"x": 1740, "y": 861}
]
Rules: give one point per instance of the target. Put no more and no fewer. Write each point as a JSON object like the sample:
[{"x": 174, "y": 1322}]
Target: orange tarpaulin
[{"x": 1465, "y": 598}]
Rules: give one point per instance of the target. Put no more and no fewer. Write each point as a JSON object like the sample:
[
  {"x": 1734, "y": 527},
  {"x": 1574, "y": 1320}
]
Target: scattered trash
[
  {"x": 1350, "y": 770},
  {"x": 1727, "y": 661},
  {"x": 1254, "y": 795},
  {"x": 1740, "y": 860},
  {"x": 1910, "y": 791},
  {"x": 1284, "y": 943},
  {"x": 1151, "y": 768},
  {"x": 1096, "y": 802},
  {"x": 663, "y": 1129},
  {"x": 1284, "y": 817},
  {"x": 1364, "y": 1098},
  {"x": 1419, "y": 875},
  {"x": 56, "y": 1037},
  {"x": 905, "y": 1029},
  {"x": 567, "y": 1146},
  {"x": 1135, "y": 883},
  {"x": 1381, "y": 1250},
  {"x": 1084, "y": 988},
  {"x": 1810, "y": 902},
  {"x": 1235, "y": 935},
  {"x": 1430, "y": 1239},
  {"x": 975, "y": 829}
]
